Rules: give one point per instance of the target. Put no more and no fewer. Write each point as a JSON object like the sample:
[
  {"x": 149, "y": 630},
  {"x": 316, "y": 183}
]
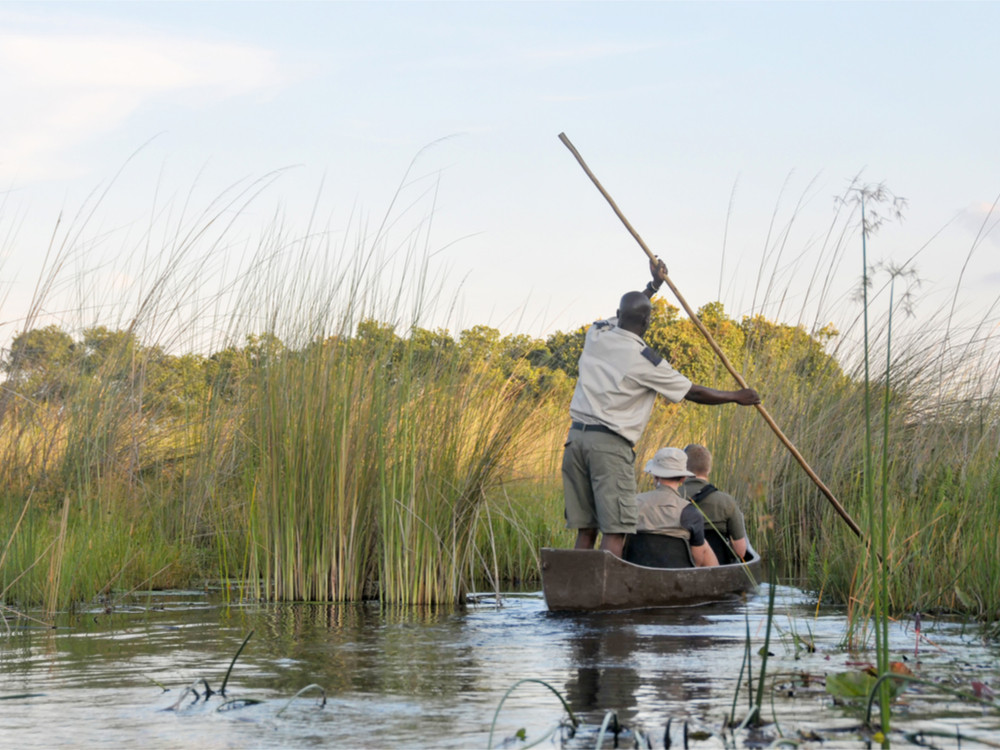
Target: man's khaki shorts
[{"x": 599, "y": 482}]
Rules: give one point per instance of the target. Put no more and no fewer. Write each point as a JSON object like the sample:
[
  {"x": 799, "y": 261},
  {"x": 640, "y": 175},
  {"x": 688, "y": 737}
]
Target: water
[{"x": 434, "y": 677}]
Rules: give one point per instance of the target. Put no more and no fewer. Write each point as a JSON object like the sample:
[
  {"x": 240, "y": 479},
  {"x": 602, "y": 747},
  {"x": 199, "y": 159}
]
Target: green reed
[{"x": 877, "y": 542}]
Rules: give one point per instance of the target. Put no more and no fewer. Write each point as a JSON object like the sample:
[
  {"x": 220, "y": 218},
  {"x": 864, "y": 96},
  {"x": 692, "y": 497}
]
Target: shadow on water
[{"x": 435, "y": 677}]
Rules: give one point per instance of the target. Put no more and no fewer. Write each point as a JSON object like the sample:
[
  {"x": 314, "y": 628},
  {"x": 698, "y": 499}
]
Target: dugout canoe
[{"x": 596, "y": 580}]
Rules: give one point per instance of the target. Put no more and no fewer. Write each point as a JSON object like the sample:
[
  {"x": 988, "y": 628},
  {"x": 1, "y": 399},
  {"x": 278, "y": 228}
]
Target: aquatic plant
[
  {"x": 571, "y": 727},
  {"x": 311, "y": 688},
  {"x": 225, "y": 680},
  {"x": 753, "y": 717},
  {"x": 233, "y": 704},
  {"x": 878, "y": 530}
]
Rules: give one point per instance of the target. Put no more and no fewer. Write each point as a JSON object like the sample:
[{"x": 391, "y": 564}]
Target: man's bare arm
[
  {"x": 700, "y": 394},
  {"x": 703, "y": 556}
]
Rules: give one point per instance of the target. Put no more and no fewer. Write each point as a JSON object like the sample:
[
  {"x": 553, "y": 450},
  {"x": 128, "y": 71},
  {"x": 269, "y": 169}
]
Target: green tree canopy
[{"x": 41, "y": 362}]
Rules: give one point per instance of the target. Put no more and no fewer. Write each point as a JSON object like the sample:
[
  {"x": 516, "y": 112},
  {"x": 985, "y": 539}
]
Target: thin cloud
[
  {"x": 62, "y": 90},
  {"x": 142, "y": 63},
  {"x": 982, "y": 219}
]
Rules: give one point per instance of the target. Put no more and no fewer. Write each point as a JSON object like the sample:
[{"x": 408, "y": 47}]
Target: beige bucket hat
[{"x": 669, "y": 463}]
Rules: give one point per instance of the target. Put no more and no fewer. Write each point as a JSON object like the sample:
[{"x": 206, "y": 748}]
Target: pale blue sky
[{"x": 681, "y": 109}]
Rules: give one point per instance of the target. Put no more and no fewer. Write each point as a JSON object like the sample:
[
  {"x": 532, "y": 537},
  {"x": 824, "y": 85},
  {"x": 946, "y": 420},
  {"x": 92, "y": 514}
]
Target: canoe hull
[{"x": 594, "y": 580}]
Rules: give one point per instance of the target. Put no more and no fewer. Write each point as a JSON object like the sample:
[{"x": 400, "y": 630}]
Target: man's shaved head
[{"x": 633, "y": 312}]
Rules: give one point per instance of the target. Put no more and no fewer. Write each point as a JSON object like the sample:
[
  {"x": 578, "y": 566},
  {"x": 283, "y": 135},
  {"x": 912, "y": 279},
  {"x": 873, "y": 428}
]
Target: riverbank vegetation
[
  {"x": 335, "y": 449},
  {"x": 413, "y": 467}
]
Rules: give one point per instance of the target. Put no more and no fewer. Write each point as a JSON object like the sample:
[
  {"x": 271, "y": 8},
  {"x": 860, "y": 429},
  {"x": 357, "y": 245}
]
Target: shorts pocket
[{"x": 628, "y": 509}]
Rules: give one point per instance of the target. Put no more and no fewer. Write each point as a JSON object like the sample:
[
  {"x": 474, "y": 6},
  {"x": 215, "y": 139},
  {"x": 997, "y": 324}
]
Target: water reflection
[
  {"x": 601, "y": 682},
  {"x": 360, "y": 647},
  {"x": 625, "y": 659}
]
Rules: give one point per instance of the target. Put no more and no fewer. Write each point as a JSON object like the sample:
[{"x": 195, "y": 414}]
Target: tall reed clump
[
  {"x": 367, "y": 445},
  {"x": 369, "y": 467},
  {"x": 455, "y": 441},
  {"x": 527, "y": 512},
  {"x": 930, "y": 469},
  {"x": 84, "y": 446},
  {"x": 935, "y": 465}
]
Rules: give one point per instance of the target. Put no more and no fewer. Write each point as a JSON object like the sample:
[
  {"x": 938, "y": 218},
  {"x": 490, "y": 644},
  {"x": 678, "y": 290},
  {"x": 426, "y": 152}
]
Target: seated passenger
[
  {"x": 664, "y": 511},
  {"x": 721, "y": 511}
]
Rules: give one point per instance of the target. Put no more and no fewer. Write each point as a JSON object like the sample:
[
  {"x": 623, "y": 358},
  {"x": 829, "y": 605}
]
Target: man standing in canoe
[{"x": 615, "y": 391}]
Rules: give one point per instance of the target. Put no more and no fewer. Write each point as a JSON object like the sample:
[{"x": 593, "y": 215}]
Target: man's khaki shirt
[
  {"x": 619, "y": 379},
  {"x": 665, "y": 511}
]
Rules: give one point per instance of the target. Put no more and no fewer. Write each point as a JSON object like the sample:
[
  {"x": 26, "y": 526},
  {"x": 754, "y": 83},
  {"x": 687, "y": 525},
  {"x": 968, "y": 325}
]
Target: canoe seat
[
  {"x": 657, "y": 551},
  {"x": 719, "y": 547}
]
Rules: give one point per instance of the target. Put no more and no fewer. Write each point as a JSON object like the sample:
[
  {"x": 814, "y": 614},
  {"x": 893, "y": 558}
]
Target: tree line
[{"x": 48, "y": 365}]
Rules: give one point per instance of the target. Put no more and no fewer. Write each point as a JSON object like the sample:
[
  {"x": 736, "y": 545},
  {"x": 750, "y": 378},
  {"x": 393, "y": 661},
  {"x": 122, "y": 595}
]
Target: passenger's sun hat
[{"x": 669, "y": 463}]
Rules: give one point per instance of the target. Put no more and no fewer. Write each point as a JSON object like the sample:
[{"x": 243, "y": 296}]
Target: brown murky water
[{"x": 435, "y": 677}]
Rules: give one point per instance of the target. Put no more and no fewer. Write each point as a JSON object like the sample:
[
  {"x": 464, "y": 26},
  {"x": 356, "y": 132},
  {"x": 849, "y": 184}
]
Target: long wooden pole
[{"x": 715, "y": 347}]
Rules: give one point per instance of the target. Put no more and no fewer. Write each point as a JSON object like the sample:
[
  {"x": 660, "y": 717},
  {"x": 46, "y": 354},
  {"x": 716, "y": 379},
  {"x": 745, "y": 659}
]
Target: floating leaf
[
  {"x": 850, "y": 684},
  {"x": 855, "y": 685}
]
